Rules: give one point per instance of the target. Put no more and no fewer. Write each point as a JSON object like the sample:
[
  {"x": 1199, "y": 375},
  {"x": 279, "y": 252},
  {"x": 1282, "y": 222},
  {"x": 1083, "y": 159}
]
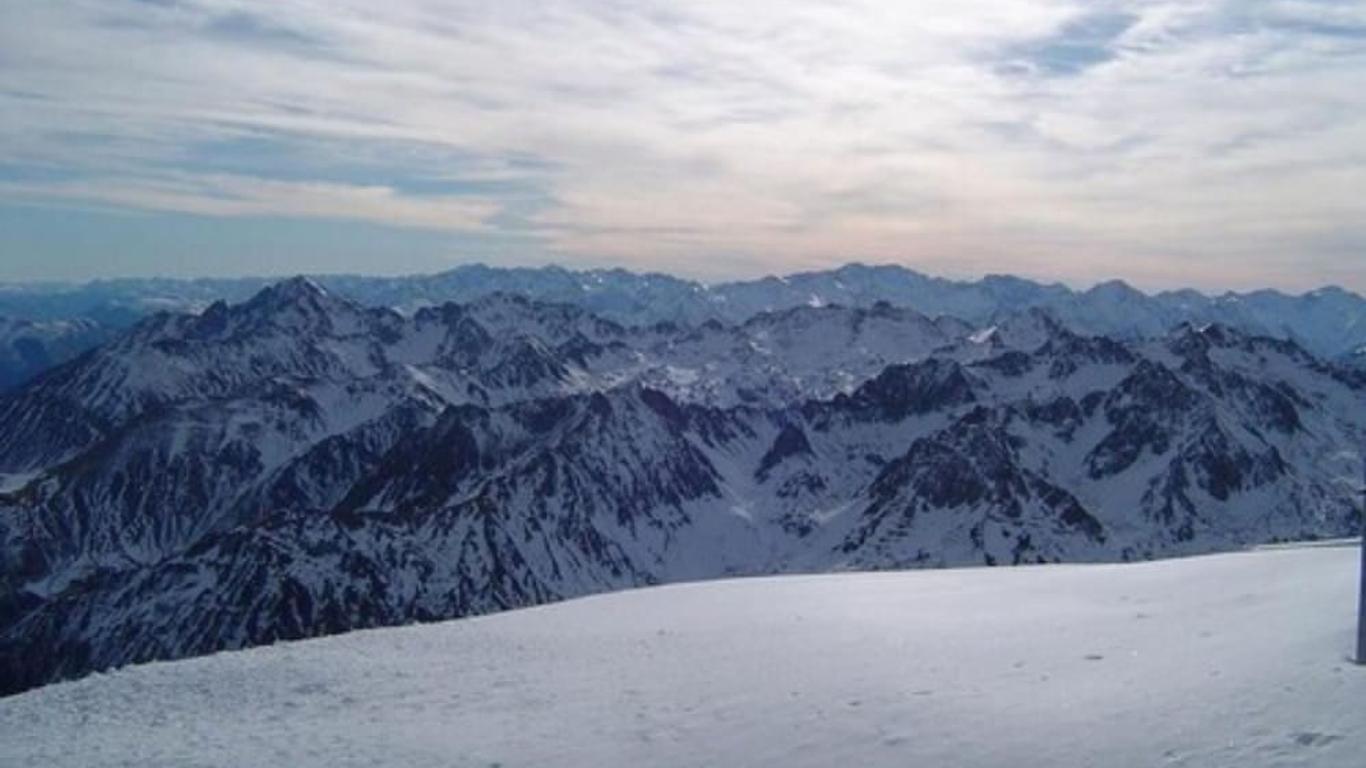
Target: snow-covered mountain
[
  {"x": 1328, "y": 322},
  {"x": 1225, "y": 661},
  {"x": 299, "y": 464}
]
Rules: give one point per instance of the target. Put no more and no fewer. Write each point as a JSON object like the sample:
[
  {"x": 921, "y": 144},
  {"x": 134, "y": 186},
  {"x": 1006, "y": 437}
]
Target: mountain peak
[
  {"x": 1210, "y": 334},
  {"x": 297, "y": 302},
  {"x": 293, "y": 289},
  {"x": 1328, "y": 293},
  {"x": 1026, "y": 330},
  {"x": 296, "y": 291},
  {"x": 1116, "y": 290}
]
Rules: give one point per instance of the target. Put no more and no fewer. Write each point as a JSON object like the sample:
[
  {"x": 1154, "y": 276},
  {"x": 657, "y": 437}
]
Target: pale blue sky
[{"x": 1220, "y": 144}]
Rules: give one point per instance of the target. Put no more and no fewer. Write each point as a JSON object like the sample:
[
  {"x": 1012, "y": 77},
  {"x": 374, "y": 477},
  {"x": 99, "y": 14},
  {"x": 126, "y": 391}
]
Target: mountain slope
[
  {"x": 1231, "y": 660},
  {"x": 28, "y": 348}
]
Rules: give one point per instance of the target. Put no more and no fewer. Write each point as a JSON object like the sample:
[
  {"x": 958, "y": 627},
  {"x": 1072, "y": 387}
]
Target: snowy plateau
[{"x": 1233, "y": 660}]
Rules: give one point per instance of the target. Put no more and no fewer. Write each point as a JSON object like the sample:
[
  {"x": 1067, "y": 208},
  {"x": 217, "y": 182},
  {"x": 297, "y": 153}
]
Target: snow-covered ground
[{"x": 1229, "y": 660}]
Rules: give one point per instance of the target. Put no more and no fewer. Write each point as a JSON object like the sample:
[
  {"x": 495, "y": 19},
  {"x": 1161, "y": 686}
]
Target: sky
[{"x": 1208, "y": 143}]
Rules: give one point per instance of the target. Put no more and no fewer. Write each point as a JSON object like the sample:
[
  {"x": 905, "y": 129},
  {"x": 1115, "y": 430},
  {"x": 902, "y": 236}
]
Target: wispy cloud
[
  {"x": 222, "y": 195},
  {"x": 1165, "y": 141}
]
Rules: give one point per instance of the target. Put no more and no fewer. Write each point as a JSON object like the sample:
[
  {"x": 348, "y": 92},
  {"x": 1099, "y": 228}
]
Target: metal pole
[{"x": 1361, "y": 593}]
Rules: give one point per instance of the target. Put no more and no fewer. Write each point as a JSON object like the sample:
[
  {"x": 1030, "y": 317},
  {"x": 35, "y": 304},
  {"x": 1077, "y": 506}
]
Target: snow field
[{"x": 1227, "y": 660}]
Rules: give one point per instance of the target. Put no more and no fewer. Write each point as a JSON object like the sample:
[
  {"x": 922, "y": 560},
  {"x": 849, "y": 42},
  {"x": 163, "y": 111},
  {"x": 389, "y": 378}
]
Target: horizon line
[{"x": 53, "y": 284}]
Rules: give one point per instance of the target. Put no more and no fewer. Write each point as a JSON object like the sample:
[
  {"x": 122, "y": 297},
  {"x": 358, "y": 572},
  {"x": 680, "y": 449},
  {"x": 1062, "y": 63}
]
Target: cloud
[
  {"x": 1161, "y": 141},
  {"x": 238, "y": 196}
]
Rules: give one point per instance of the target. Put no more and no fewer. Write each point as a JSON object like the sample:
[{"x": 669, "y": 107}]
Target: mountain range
[
  {"x": 1330, "y": 322},
  {"x": 301, "y": 463}
]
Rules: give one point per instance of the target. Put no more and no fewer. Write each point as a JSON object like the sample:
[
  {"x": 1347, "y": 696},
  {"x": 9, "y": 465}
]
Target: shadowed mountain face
[
  {"x": 299, "y": 464},
  {"x": 28, "y": 348}
]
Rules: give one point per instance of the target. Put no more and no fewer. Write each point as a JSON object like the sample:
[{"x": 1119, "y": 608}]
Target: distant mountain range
[
  {"x": 300, "y": 463},
  {"x": 27, "y": 348},
  {"x": 1329, "y": 322}
]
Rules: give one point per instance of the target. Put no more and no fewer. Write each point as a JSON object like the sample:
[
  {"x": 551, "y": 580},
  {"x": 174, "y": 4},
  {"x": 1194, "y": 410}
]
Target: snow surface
[{"x": 1228, "y": 660}]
